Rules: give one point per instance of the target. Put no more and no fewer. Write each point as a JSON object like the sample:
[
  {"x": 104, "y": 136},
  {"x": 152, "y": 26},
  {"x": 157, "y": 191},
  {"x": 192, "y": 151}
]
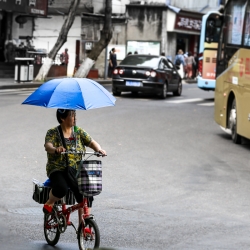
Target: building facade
[{"x": 148, "y": 26}]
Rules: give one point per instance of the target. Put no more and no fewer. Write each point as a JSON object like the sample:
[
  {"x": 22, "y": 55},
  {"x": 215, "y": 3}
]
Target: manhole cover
[{"x": 27, "y": 210}]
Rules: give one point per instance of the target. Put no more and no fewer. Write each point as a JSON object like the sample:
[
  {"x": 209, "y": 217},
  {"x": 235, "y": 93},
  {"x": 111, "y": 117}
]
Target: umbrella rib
[
  {"x": 84, "y": 107},
  {"x": 101, "y": 89},
  {"x": 54, "y": 91}
]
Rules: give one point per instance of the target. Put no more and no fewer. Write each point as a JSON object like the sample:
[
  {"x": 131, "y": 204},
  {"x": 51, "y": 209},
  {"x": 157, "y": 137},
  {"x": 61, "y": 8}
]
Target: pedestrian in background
[
  {"x": 195, "y": 66},
  {"x": 64, "y": 57},
  {"x": 129, "y": 53},
  {"x": 189, "y": 64},
  {"x": 180, "y": 62},
  {"x": 112, "y": 62},
  {"x": 136, "y": 53}
]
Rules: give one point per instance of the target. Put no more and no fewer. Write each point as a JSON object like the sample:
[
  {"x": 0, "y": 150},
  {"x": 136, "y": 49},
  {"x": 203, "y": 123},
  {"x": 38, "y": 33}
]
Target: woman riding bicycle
[{"x": 75, "y": 138}]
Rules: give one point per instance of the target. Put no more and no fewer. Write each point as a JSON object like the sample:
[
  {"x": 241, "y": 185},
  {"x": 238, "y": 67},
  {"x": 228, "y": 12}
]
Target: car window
[
  {"x": 170, "y": 64},
  {"x": 166, "y": 65},
  {"x": 148, "y": 61},
  {"x": 161, "y": 65}
]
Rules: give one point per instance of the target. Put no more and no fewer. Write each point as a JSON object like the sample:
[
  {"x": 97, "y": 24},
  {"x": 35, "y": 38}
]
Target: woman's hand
[
  {"x": 97, "y": 148},
  {"x": 59, "y": 150},
  {"x": 103, "y": 152}
]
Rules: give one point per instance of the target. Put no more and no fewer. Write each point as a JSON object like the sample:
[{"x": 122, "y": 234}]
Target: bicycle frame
[{"x": 67, "y": 211}]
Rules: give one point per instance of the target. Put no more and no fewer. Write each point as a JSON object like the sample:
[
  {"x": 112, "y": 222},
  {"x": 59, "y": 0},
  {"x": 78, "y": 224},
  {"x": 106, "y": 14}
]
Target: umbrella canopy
[{"x": 71, "y": 93}]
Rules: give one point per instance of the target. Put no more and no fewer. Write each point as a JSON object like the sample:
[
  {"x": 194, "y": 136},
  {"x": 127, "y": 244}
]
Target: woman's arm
[
  {"x": 53, "y": 150},
  {"x": 96, "y": 147}
]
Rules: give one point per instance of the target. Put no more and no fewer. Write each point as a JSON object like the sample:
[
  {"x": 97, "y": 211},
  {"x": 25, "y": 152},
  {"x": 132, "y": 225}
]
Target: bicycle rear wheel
[
  {"x": 88, "y": 236},
  {"x": 51, "y": 230}
]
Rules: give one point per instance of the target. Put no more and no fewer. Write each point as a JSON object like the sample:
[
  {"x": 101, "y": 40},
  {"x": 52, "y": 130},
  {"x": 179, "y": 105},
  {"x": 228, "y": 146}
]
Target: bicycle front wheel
[
  {"x": 88, "y": 235},
  {"x": 51, "y": 230}
]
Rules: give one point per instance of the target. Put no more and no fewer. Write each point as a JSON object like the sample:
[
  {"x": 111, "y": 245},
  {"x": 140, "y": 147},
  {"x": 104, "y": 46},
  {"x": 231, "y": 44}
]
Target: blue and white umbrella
[{"x": 71, "y": 93}]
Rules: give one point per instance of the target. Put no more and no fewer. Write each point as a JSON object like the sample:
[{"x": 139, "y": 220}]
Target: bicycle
[{"x": 55, "y": 223}]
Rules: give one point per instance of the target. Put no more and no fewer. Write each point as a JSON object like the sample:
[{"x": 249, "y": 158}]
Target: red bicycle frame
[{"x": 67, "y": 211}]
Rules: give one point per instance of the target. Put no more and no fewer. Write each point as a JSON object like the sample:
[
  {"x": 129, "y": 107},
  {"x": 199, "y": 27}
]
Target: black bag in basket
[{"x": 41, "y": 195}]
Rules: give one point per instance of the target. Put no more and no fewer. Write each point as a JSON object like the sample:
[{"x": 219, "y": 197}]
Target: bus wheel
[{"x": 233, "y": 123}]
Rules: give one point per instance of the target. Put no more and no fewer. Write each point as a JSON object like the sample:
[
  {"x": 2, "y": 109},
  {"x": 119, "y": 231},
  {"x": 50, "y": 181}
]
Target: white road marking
[
  {"x": 206, "y": 104},
  {"x": 28, "y": 92},
  {"x": 186, "y": 100},
  {"x": 14, "y": 90}
]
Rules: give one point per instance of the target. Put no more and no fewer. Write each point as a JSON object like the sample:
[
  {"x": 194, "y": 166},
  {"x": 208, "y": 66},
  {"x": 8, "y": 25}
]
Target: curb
[
  {"x": 21, "y": 85},
  {"x": 38, "y": 84},
  {"x": 190, "y": 81}
]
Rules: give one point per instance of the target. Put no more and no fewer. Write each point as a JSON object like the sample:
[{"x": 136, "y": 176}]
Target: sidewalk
[{"x": 9, "y": 83}]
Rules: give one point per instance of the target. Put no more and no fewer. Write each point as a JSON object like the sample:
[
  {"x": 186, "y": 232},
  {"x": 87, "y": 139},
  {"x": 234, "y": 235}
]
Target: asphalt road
[{"x": 172, "y": 179}]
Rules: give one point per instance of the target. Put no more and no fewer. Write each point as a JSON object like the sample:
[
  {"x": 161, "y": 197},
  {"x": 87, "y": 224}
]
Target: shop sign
[
  {"x": 38, "y": 7},
  {"x": 35, "y": 7},
  {"x": 187, "y": 23}
]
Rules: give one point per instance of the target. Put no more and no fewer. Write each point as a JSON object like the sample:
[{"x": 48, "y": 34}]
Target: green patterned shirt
[{"x": 57, "y": 162}]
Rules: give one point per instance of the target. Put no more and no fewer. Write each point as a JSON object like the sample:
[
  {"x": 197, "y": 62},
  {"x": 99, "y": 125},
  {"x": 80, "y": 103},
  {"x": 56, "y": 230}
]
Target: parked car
[{"x": 146, "y": 73}]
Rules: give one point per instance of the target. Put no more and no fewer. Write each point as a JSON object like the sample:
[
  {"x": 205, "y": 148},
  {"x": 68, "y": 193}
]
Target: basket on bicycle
[
  {"x": 41, "y": 194},
  {"x": 90, "y": 177}
]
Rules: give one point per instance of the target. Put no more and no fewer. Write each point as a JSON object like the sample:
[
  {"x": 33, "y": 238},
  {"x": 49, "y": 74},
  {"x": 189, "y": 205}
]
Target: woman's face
[{"x": 70, "y": 120}]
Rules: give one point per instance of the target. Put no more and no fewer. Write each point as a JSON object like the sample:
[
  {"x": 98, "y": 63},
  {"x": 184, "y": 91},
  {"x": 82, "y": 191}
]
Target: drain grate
[{"x": 27, "y": 210}]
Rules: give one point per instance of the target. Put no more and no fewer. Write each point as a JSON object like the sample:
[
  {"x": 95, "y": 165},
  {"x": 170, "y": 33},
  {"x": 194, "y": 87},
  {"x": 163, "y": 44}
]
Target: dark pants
[
  {"x": 110, "y": 71},
  {"x": 60, "y": 184}
]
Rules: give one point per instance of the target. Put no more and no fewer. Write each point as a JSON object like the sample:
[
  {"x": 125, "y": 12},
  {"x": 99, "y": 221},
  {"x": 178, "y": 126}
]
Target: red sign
[
  {"x": 187, "y": 23},
  {"x": 38, "y": 7}
]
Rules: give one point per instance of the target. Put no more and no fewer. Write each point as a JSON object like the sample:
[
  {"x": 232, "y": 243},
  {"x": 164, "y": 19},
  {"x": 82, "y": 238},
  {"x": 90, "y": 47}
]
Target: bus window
[
  {"x": 213, "y": 29},
  {"x": 235, "y": 19},
  {"x": 247, "y": 27}
]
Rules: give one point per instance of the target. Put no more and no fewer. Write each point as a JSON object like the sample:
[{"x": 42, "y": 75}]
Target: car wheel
[
  {"x": 164, "y": 91},
  {"x": 179, "y": 90},
  {"x": 116, "y": 92},
  {"x": 232, "y": 122}
]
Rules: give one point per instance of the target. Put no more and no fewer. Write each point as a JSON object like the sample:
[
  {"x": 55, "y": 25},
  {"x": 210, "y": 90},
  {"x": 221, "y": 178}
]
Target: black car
[{"x": 146, "y": 73}]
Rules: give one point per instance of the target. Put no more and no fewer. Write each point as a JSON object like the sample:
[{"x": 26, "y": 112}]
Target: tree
[
  {"x": 106, "y": 35},
  {"x": 62, "y": 38}
]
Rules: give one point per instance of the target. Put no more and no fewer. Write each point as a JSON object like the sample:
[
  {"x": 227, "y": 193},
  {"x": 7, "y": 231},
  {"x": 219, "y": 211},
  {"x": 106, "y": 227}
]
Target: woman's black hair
[{"x": 62, "y": 114}]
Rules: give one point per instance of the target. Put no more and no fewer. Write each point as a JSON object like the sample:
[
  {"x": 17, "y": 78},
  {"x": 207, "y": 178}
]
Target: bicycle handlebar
[{"x": 82, "y": 152}]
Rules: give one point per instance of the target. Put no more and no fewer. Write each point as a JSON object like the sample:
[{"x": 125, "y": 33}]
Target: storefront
[
  {"x": 163, "y": 29},
  {"x": 16, "y": 26},
  {"x": 184, "y": 28}
]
